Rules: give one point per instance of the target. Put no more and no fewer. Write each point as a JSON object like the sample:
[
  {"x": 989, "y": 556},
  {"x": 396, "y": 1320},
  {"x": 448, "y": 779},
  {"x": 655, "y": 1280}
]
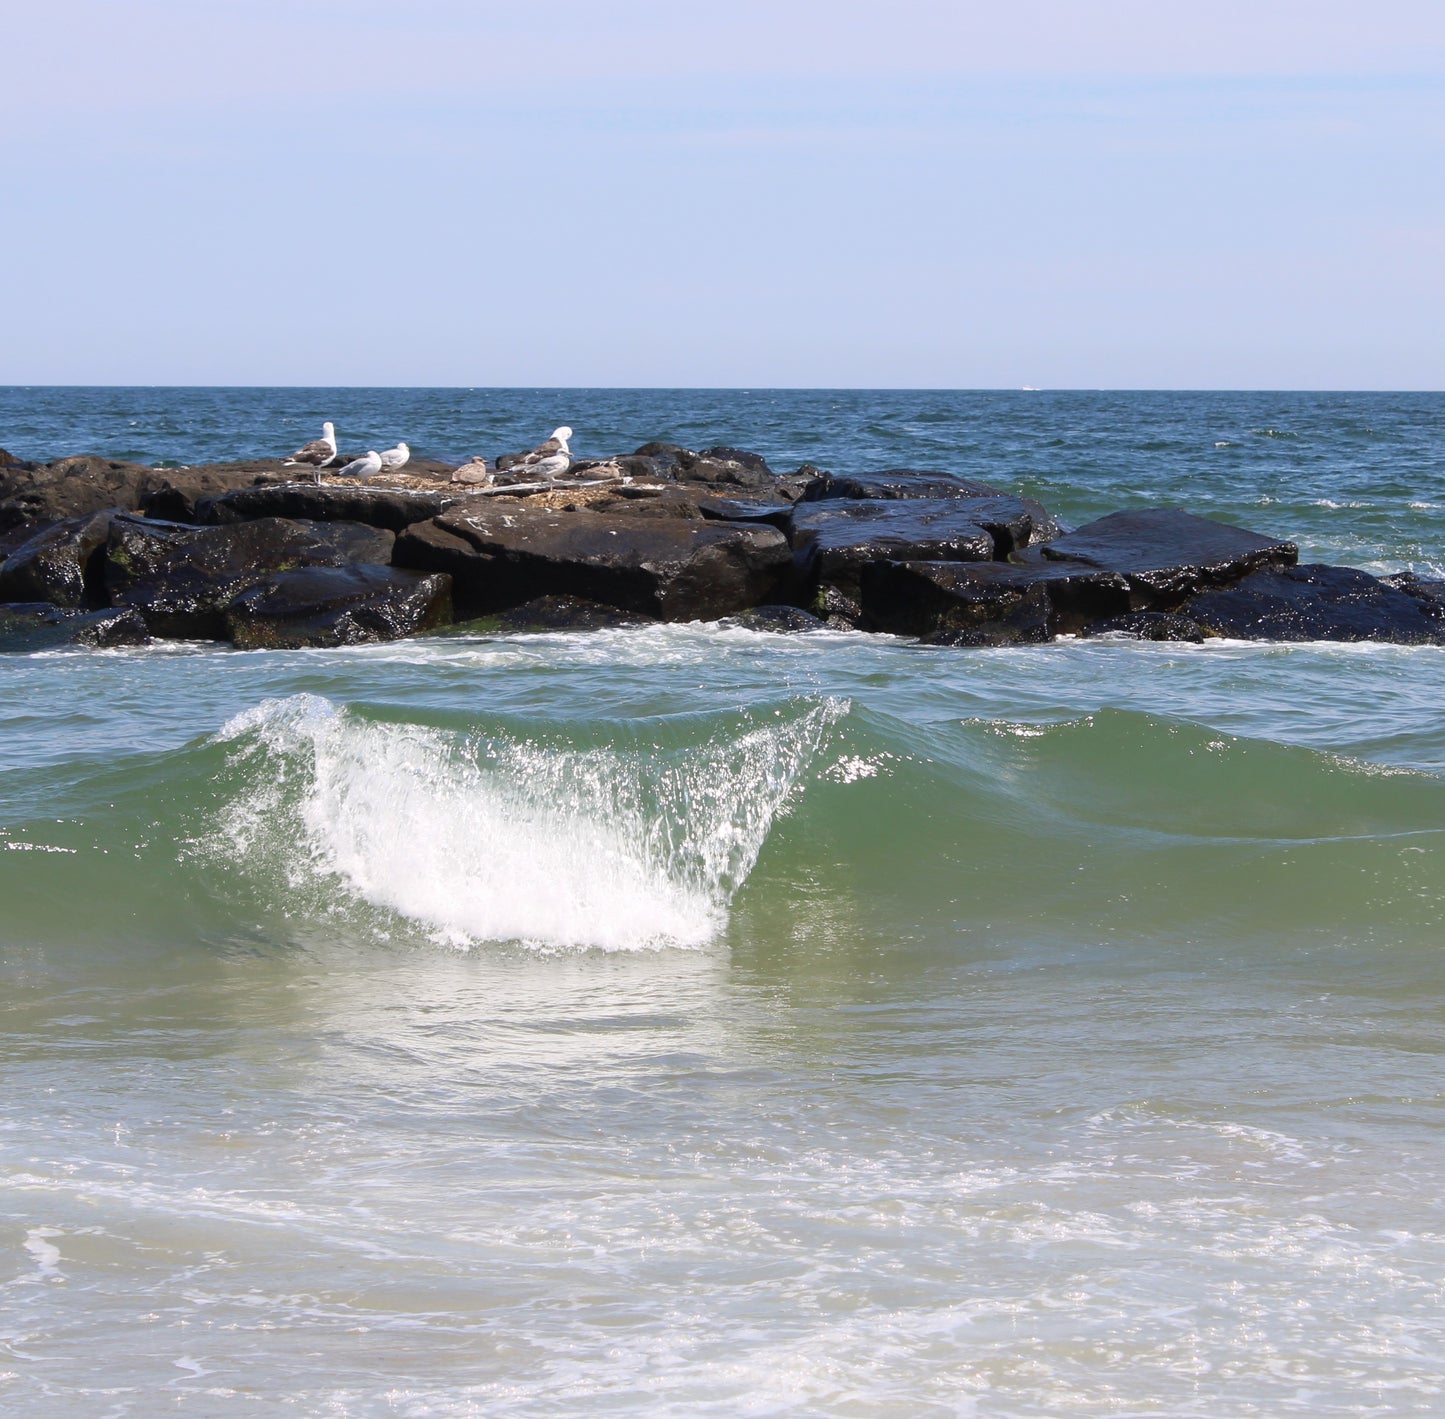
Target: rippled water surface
[{"x": 689, "y": 1021}]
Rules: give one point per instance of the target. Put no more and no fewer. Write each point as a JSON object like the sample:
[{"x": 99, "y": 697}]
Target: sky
[{"x": 914, "y": 193}]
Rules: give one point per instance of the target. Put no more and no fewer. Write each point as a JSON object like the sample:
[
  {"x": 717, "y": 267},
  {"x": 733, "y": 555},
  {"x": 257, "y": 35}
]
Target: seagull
[
  {"x": 397, "y": 457},
  {"x": 548, "y": 459},
  {"x": 319, "y": 453},
  {"x": 362, "y": 467},
  {"x": 474, "y": 470}
]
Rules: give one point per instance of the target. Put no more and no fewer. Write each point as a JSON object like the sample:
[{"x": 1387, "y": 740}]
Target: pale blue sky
[{"x": 1059, "y": 193}]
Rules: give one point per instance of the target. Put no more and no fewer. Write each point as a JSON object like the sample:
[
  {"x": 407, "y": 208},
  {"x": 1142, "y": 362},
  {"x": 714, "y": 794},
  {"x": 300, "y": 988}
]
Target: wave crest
[{"x": 501, "y": 838}]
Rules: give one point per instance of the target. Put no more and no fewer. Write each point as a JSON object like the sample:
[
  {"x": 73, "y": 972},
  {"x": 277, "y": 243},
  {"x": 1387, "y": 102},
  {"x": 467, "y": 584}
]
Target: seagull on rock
[
  {"x": 474, "y": 470},
  {"x": 547, "y": 460},
  {"x": 397, "y": 457},
  {"x": 319, "y": 453},
  {"x": 366, "y": 467}
]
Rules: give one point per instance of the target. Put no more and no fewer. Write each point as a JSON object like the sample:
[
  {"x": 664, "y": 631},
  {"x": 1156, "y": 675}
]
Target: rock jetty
[{"x": 103, "y": 553}]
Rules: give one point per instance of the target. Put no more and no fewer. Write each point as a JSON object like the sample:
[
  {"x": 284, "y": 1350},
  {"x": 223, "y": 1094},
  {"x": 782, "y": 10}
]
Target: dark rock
[
  {"x": 1430, "y": 594},
  {"x": 549, "y": 613},
  {"x": 9, "y": 460},
  {"x": 181, "y": 578},
  {"x": 76, "y": 487},
  {"x": 37, "y": 625},
  {"x": 987, "y": 603},
  {"x": 390, "y": 508},
  {"x": 835, "y": 540},
  {"x": 720, "y": 465},
  {"x": 671, "y": 501},
  {"x": 1165, "y": 554},
  {"x": 1313, "y": 603},
  {"x": 731, "y": 465},
  {"x": 666, "y": 567},
  {"x": 174, "y": 494},
  {"x": 836, "y": 610},
  {"x": 718, "y": 509},
  {"x": 783, "y": 619},
  {"x": 70, "y": 488},
  {"x": 339, "y": 605},
  {"x": 13, "y": 538},
  {"x": 61, "y": 565},
  {"x": 1148, "y": 626},
  {"x": 891, "y": 483}
]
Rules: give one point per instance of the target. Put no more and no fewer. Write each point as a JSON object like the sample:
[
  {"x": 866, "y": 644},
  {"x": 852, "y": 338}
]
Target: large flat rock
[
  {"x": 1165, "y": 554},
  {"x": 670, "y": 568},
  {"x": 835, "y": 540},
  {"x": 1317, "y": 603},
  {"x": 987, "y": 603},
  {"x": 390, "y": 508},
  {"x": 337, "y": 606},
  {"x": 181, "y": 579}
]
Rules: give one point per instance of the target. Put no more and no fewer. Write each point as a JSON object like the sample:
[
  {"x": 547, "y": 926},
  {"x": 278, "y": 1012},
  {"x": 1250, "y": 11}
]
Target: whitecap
[{"x": 507, "y": 839}]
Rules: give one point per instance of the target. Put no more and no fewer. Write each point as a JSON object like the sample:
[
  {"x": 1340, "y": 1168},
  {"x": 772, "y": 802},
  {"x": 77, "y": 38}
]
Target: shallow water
[{"x": 692, "y": 1021}]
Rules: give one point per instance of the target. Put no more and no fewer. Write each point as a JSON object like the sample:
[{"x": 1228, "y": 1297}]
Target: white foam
[{"x": 502, "y": 839}]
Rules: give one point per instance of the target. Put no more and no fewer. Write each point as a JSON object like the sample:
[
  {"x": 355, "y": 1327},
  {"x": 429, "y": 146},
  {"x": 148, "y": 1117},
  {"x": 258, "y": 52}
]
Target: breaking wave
[{"x": 504, "y": 838}]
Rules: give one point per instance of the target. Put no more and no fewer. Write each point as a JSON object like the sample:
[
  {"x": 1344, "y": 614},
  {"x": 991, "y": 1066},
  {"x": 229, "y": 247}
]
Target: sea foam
[{"x": 501, "y": 838}]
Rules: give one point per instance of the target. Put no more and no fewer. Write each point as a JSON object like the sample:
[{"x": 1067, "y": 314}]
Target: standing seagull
[
  {"x": 474, "y": 470},
  {"x": 547, "y": 460},
  {"x": 319, "y": 453},
  {"x": 397, "y": 457},
  {"x": 362, "y": 467}
]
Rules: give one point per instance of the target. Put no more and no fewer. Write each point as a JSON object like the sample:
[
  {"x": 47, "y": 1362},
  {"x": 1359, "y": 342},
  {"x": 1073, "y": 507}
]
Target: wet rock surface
[
  {"x": 336, "y": 606},
  {"x": 70, "y": 488},
  {"x": 60, "y": 564},
  {"x": 893, "y": 483},
  {"x": 780, "y": 620},
  {"x": 837, "y": 538},
  {"x": 1148, "y": 626},
  {"x": 182, "y": 578},
  {"x": 834, "y": 541},
  {"x": 32, "y": 626},
  {"x": 389, "y": 508},
  {"x": 987, "y": 603},
  {"x": 1317, "y": 603},
  {"x": 1165, "y": 554},
  {"x": 667, "y": 568},
  {"x": 551, "y": 613}
]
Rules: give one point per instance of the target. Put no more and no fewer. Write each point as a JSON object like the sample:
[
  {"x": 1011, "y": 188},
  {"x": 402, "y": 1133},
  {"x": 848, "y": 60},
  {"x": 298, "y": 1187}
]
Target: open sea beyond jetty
[{"x": 688, "y": 1020}]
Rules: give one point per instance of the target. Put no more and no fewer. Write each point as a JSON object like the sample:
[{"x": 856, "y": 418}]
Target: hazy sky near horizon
[{"x": 1061, "y": 193}]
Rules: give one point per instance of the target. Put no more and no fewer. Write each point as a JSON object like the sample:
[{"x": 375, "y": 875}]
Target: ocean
[{"x": 693, "y": 1021}]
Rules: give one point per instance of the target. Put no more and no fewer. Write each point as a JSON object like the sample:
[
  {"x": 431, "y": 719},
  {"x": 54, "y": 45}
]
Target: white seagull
[
  {"x": 319, "y": 453},
  {"x": 362, "y": 467},
  {"x": 548, "y": 459},
  {"x": 397, "y": 457}
]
